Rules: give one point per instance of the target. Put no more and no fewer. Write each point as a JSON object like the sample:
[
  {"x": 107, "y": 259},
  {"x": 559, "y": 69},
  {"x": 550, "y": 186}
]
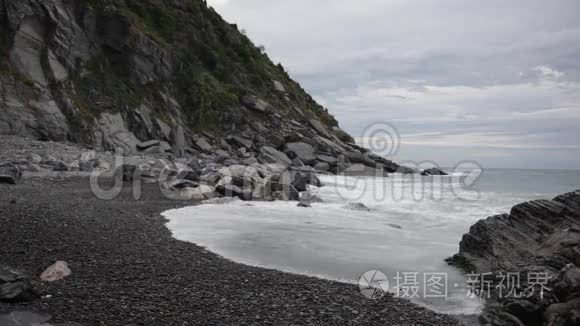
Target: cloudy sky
[{"x": 493, "y": 81}]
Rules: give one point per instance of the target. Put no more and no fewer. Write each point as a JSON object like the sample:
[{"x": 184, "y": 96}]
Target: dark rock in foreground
[
  {"x": 9, "y": 174},
  {"x": 541, "y": 236},
  {"x": 15, "y": 287},
  {"x": 433, "y": 171}
]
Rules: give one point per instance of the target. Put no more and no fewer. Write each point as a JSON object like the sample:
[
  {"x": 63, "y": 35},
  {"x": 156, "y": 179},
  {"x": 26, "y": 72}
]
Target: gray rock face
[
  {"x": 27, "y": 318},
  {"x": 304, "y": 151},
  {"x": 114, "y": 134},
  {"x": 203, "y": 145},
  {"x": 256, "y": 104},
  {"x": 363, "y": 170},
  {"x": 319, "y": 127},
  {"x": 342, "y": 135},
  {"x": 358, "y": 207},
  {"x": 231, "y": 190},
  {"x": 327, "y": 159},
  {"x": 541, "y": 235},
  {"x": 10, "y": 174},
  {"x": 358, "y": 157},
  {"x": 179, "y": 144},
  {"x": 528, "y": 231},
  {"x": 433, "y": 171},
  {"x": 241, "y": 142},
  {"x": 271, "y": 155},
  {"x": 278, "y": 86},
  {"x": 322, "y": 166},
  {"x": 15, "y": 286}
]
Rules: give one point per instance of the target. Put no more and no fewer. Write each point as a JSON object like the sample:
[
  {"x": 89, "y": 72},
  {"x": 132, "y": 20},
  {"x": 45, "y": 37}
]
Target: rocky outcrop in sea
[{"x": 536, "y": 247}]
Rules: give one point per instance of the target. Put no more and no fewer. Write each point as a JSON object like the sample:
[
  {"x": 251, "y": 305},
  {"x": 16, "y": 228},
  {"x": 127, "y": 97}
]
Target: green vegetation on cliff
[{"x": 213, "y": 64}]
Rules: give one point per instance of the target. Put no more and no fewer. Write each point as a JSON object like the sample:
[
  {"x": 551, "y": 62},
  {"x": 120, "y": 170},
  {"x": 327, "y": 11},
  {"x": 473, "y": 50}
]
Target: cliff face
[
  {"x": 114, "y": 73},
  {"x": 541, "y": 236},
  {"x": 540, "y": 232}
]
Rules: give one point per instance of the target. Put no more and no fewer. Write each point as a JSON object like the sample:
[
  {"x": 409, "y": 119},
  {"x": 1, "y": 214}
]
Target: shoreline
[{"x": 127, "y": 268}]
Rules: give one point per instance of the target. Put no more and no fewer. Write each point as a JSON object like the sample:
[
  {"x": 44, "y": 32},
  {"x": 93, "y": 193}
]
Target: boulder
[
  {"x": 241, "y": 171},
  {"x": 327, "y": 159},
  {"x": 256, "y": 104},
  {"x": 74, "y": 166},
  {"x": 342, "y": 135},
  {"x": 17, "y": 291},
  {"x": 406, "y": 170},
  {"x": 363, "y": 170},
  {"x": 536, "y": 236},
  {"x": 201, "y": 192},
  {"x": 10, "y": 173},
  {"x": 239, "y": 141},
  {"x": 222, "y": 153},
  {"x": 277, "y": 141},
  {"x": 250, "y": 160},
  {"x": 15, "y": 287},
  {"x": 88, "y": 156},
  {"x": 26, "y": 318},
  {"x": 328, "y": 145},
  {"x": 319, "y": 127},
  {"x": 322, "y": 166},
  {"x": 303, "y": 151},
  {"x": 357, "y": 207},
  {"x": 178, "y": 140},
  {"x": 271, "y": 155},
  {"x": 203, "y": 145},
  {"x": 56, "y": 272},
  {"x": 433, "y": 171},
  {"x": 309, "y": 197},
  {"x": 127, "y": 172},
  {"x": 34, "y": 158},
  {"x": 278, "y": 86},
  {"x": 230, "y": 190},
  {"x": 147, "y": 144},
  {"x": 281, "y": 191},
  {"x": 182, "y": 184},
  {"x": 358, "y": 157},
  {"x": 61, "y": 167},
  {"x": 297, "y": 163},
  {"x": 297, "y": 179}
]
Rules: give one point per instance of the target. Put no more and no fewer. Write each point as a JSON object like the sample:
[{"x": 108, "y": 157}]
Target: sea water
[{"x": 412, "y": 224}]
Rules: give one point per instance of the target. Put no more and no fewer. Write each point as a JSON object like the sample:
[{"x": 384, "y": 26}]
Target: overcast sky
[{"x": 493, "y": 81}]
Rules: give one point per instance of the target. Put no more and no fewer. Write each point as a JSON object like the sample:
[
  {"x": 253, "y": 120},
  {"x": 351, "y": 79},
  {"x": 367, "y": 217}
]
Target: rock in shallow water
[{"x": 540, "y": 236}]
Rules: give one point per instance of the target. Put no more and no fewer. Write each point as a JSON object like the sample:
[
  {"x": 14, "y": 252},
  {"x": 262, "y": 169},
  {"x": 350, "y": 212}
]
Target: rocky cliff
[
  {"x": 113, "y": 74},
  {"x": 541, "y": 236}
]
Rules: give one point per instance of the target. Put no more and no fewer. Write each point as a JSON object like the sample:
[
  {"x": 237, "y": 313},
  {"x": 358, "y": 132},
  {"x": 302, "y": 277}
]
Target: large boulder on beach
[
  {"x": 537, "y": 236},
  {"x": 433, "y": 171},
  {"x": 10, "y": 173},
  {"x": 230, "y": 190},
  {"x": 15, "y": 286},
  {"x": 271, "y": 155},
  {"x": 359, "y": 158},
  {"x": 303, "y": 151}
]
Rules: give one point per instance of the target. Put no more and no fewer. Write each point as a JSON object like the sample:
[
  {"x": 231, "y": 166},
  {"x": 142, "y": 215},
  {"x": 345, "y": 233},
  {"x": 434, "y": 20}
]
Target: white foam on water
[{"x": 413, "y": 224}]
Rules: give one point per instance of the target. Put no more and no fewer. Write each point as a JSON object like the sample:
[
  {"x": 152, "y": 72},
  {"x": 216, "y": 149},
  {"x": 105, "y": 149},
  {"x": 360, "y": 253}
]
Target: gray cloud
[{"x": 494, "y": 81}]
